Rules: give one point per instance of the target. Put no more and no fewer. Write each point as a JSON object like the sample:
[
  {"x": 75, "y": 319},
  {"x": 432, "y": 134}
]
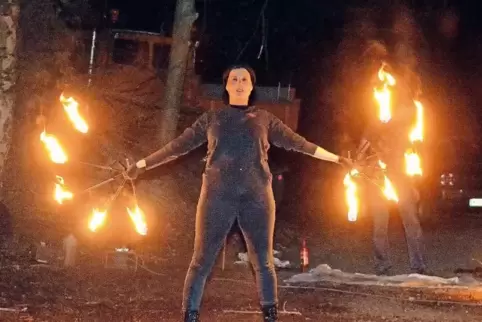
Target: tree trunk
[
  {"x": 8, "y": 57},
  {"x": 183, "y": 20}
]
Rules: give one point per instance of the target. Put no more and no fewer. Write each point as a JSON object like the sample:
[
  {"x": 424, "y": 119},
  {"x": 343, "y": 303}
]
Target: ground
[{"x": 91, "y": 292}]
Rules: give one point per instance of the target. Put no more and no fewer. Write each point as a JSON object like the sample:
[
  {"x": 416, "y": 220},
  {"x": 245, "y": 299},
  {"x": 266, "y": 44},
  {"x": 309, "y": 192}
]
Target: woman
[{"x": 236, "y": 184}]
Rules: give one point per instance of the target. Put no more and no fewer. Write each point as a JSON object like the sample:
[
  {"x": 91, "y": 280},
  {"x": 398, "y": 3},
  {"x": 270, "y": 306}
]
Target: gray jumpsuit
[{"x": 236, "y": 185}]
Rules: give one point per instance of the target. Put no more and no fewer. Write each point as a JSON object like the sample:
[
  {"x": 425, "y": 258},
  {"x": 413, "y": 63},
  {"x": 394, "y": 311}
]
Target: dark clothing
[
  {"x": 390, "y": 141},
  {"x": 407, "y": 208},
  {"x": 238, "y": 143},
  {"x": 236, "y": 185},
  {"x": 216, "y": 214}
]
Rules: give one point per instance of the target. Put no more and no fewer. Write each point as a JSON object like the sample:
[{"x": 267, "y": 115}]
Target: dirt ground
[
  {"x": 91, "y": 292},
  {"x": 100, "y": 295}
]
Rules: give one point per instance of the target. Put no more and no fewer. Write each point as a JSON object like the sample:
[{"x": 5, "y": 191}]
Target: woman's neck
[
  {"x": 238, "y": 101},
  {"x": 239, "y": 107}
]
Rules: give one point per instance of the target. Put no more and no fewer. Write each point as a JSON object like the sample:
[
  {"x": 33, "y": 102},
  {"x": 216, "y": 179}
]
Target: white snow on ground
[
  {"x": 243, "y": 259},
  {"x": 324, "y": 273}
]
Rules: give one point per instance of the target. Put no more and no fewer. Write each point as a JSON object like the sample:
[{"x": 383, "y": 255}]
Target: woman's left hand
[{"x": 133, "y": 172}]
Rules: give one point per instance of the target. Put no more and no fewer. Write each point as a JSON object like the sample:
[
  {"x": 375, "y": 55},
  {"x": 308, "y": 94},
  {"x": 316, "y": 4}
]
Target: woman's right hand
[{"x": 134, "y": 171}]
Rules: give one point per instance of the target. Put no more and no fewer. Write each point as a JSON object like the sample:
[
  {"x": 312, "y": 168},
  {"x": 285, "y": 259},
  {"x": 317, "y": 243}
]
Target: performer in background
[
  {"x": 236, "y": 184},
  {"x": 390, "y": 142}
]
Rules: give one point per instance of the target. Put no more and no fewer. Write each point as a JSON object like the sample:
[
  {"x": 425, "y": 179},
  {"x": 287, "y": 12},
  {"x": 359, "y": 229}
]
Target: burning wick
[
  {"x": 71, "y": 107},
  {"x": 57, "y": 154},
  {"x": 138, "y": 218},
  {"x": 351, "y": 195},
  {"x": 413, "y": 163},
  {"x": 417, "y": 133},
  {"x": 412, "y": 158},
  {"x": 384, "y": 95},
  {"x": 388, "y": 190},
  {"x": 60, "y": 194},
  {"x": 97, "y": 220}
]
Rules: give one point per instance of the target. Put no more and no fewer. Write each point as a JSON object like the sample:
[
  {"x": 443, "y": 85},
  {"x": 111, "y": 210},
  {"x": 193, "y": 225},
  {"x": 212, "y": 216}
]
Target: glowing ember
[
  {"x": 71, "y": 107},
  {"x": 56, "y": 153},
  {"x": 388, "y": 189},
  {"x": 351, "y": 195},
  {"x": 383, "y": 95},
  {"x": 139, "y": 220},
  {"x": 97, "y": 219},
  {"x": 60, "y": 194}
]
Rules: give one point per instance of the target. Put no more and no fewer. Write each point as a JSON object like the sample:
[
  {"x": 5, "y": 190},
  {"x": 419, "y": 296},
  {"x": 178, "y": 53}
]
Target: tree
[
  {"x": 184, "y": 18},
  {"x": 8, "y": 57}
]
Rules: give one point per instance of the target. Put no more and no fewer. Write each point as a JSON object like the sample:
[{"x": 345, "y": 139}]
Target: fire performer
[
  {"x": 236, "y": 184},
  {"x": 387, "y": 142}
]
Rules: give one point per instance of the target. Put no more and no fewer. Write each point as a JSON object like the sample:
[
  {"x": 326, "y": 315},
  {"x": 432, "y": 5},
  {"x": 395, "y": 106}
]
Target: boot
[
  {"x": 270, "y": 313},
  {"x": 191, "y": 316}
]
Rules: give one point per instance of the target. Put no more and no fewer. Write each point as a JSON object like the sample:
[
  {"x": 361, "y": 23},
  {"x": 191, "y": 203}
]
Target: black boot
[
  {"x": 270, "y": 313},
  {"x": 191, "y": 316}
]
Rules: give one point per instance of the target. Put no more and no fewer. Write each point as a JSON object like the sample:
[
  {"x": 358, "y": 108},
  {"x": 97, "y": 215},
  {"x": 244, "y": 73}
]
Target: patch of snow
[
  {"x": 244, "y": 259},
  {"x": 324, "y": 273}
]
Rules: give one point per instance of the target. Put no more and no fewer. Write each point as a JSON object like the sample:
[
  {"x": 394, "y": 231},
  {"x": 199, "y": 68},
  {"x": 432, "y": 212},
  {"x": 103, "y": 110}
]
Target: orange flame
[
  {"x": 57, "y": 154},
  {"x": 388, "y": 189},
  {"x": 97, "y": 219},
  {"x": 417, "y": 132},
  {"x": 383, "y": 95},
  {"x": 60, "y": 194},
  {"x": 71, "y": 107},
  {"x": 351, "y": 195},
  {"x": 413, "y": 164},
  {"x": 138, "y": 218}
]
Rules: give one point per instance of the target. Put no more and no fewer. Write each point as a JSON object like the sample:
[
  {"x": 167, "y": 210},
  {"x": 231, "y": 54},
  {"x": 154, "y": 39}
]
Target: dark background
[
  {"x": 303, "y": 39},
  {"x": 306, "y": 46}
]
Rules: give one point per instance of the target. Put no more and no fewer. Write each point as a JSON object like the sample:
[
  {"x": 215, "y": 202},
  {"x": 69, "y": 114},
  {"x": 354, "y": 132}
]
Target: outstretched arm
[
  {"x": 191, "y": 138},
  {"x": 282, "y": 136}
]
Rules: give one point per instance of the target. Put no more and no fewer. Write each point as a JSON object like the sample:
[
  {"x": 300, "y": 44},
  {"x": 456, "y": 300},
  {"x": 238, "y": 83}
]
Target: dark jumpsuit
[
  {"x": 236, "y": 185},
  {"x": 390, "y": 141}
]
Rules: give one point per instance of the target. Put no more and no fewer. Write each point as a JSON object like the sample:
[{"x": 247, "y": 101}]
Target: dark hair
[{"x": 252, "y": 75}]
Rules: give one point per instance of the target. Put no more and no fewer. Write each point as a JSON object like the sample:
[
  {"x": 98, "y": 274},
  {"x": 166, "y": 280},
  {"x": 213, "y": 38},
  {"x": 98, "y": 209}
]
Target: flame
[
  {"x": 57, "y": 154},
  {"x": 71, "y": 107},
  {"x": 60, "y": 194},
  {"x": 388, "y": 189},
  {"x": 97, "y": 219},
  {"x": 417, "y": 132},
  {"x": 413, "y": 163},
  {"x": 383, "y": 95},
  {"x": 351, "y": 195},
  {"x": 138, "y": 218},
  {"x": 382, "y": 165}
]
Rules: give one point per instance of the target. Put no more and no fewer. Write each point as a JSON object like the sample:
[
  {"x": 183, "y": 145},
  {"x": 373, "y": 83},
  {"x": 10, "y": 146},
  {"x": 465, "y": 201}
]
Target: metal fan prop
[
  {"x": 372, "y": 168},
  {"x": 61, "y": 191}
]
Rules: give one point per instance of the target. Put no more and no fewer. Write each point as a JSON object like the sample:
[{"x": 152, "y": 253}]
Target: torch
[
  {"x": 383, "y": 97},
  {"x": 61, "y": 192}
]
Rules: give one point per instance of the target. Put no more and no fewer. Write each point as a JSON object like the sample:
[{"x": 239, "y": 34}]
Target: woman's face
[{"x": 239, "y": 85}]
